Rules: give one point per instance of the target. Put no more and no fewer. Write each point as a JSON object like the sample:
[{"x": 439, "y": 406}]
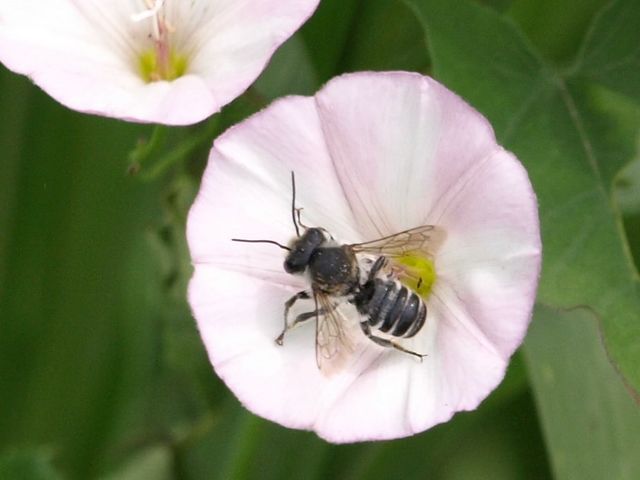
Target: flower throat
[{"x": 161, "y": 61}]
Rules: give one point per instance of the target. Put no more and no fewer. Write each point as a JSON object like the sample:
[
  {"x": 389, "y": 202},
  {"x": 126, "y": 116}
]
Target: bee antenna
[
  {"x": 293, "y": 203},
  {"x": 273, "y": 242}
]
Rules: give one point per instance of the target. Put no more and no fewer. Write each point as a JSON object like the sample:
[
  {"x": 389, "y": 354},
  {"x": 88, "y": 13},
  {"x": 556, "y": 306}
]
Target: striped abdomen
[{"x": 391, "y": 307}]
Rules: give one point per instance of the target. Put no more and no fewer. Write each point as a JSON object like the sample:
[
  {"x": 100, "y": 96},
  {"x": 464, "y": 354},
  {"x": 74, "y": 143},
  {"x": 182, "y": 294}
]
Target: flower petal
[
  {"x": 240, "y": 38},
  {"x": 490, "y": 262},
  {"x": 398, "y": 157},
  {"x": 239, "y": 317},
  {"x": 394, "y": 395},
  {"x": 85, "y": 53}
]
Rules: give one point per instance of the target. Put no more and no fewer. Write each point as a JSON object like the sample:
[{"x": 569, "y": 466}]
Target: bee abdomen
[
  {"x": 375, "y": 307},
  {"x": 393, "y": 308},
  {"x": 412, "y": 318}
]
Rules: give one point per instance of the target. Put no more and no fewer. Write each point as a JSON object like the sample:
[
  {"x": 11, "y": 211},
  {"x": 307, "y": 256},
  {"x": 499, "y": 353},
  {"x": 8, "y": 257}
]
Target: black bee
[{"x": 384, "y": 304}]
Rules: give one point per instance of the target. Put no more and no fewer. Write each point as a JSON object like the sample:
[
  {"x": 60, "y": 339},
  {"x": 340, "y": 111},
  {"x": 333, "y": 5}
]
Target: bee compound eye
[
  {"x": 291, "y": 266},
  {"x": 288, "y": 267}
]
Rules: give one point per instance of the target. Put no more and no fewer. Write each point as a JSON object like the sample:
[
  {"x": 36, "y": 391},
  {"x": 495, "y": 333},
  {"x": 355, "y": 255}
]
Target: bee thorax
[{"x": 334, "y": 270}]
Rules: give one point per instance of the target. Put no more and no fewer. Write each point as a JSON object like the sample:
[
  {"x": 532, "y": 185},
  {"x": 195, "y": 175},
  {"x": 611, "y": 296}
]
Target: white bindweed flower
[
  {"x": 373, "y": 154},
  {"x": 165, "y": 61}
]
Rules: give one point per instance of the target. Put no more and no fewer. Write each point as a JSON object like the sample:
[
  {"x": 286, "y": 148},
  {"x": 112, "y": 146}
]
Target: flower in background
[
  {"x": 373, "y": 154},
  {"x": 165, "y": 61}
]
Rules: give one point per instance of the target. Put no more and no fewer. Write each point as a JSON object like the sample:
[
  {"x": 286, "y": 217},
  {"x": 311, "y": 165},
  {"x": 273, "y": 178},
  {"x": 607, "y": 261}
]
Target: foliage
[{"x": 102, "y": 374}]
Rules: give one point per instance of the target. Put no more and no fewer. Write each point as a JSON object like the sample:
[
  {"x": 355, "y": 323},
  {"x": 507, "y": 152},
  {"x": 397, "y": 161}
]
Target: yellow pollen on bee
[{"x": 416, "y": 272}]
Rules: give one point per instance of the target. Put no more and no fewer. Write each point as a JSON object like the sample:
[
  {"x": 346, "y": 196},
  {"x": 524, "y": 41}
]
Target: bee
[{"x": 382, "y": 301}]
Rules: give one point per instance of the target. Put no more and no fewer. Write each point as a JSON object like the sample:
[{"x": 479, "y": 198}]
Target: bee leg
[
  {"x": 388, "y": 343},
  {"x": 303, "y": 317},
  {"x": 304, "y": 294}
]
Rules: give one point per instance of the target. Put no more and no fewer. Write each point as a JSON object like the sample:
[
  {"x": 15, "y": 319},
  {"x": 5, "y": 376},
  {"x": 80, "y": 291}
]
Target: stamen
[
  {"x": 153, "y": 9},
  {"x": 161, "y": 62}
]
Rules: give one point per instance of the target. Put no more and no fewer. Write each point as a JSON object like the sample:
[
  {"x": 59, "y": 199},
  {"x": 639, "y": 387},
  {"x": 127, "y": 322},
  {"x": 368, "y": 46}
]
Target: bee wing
[
  {"x": 424, "y": 238},
  {"x": 333, "y": 343}
]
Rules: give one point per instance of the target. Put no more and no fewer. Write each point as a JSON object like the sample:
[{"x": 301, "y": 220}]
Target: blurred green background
[{"x": 102, "y": 373}]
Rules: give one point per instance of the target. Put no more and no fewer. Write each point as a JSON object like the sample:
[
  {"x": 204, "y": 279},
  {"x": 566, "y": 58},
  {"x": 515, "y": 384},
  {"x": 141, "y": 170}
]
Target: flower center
[
  {"x": 417, "y": 272},
  {"x": 161, "y": 61}
]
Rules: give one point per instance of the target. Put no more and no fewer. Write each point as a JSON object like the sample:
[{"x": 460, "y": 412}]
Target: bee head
[{"x": 301, "y": 250}]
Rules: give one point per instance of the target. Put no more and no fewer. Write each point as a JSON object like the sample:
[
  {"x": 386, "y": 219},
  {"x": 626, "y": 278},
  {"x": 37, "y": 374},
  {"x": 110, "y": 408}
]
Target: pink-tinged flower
[
  {"x": 165, "y": 61},
  {"x": 373, "y": 154}
]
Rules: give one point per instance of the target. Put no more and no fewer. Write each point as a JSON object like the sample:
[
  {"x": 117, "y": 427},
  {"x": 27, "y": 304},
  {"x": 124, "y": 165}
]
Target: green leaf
[
  {"x": 628, "y": 197},
  {"x": 551, "y": 122},
  {"x": 386, "y": 36},
  {"x": 612, "y": 125},
  {"x": 499, "y": 5},
  {"x": 27, "y": 464},
  {"x": 611, "y": 51},
  {"x": 15, "y": 95},
  {"x": 153, "y": 463},
  {"x": 591, "y": 423},
  {"x": 291, "y": 71},
  {"x": 372, "y": 35},
  {"x": 77, "y": 299},
  {"x": 328, "y": 33},
  {"x": 556, "y": 27},
  {"x": 628, "y": 192},
  {"x": 223, "y": 448}
]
